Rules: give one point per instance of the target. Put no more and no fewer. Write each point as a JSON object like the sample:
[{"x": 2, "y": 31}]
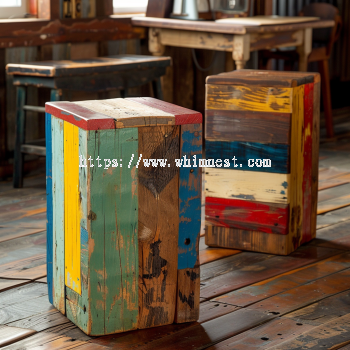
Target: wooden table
[{"x": 238, "y": 39}]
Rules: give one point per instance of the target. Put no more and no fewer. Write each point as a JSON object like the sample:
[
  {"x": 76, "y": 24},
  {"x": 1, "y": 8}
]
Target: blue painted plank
[
  {"x": 243, "y": 151},
  {"x": 49, "y": 210},
  {"x": 189, "y": 196}
]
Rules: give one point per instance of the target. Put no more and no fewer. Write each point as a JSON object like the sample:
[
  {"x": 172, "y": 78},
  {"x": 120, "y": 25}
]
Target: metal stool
[{"x": 99, "y": 74}]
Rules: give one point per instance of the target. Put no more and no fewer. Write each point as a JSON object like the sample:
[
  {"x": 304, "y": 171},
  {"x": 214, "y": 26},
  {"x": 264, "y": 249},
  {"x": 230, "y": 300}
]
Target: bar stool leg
[
  {"x": 20, "y": 137},
  {"x": 124, "y": 93},
  {"x": 157, "y": 89}
]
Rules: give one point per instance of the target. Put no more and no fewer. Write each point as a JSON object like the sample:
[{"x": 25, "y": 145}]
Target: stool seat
[
  {"x": 99, "y": 74},
  {"x": 108, "y": 64}
]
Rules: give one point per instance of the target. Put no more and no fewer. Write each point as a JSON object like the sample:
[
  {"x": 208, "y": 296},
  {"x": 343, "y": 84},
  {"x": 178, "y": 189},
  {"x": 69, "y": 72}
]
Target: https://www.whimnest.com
[{"x": 183, "y": 162}]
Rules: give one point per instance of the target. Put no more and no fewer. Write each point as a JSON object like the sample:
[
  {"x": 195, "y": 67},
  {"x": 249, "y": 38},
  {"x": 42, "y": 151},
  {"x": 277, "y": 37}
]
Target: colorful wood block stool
[
  {"x": 99, "y": 74},
  {"x": 262, "y": 141},
  {"x": 123, "y": 233}
]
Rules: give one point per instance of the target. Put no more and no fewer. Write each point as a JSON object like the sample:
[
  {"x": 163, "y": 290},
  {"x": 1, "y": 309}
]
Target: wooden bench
[{"x": 99, "y": 75}]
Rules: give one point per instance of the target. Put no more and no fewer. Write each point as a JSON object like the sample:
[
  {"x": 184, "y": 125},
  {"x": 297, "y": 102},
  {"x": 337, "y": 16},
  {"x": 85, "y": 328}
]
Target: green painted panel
[{"x": 113, "y": 215}]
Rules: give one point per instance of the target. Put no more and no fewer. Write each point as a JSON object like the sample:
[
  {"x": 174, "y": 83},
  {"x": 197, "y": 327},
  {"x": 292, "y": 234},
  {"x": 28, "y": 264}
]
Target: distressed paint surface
[
  {"x": 247, "y": 98},
  {"x": 247, "y": 215},
  {"x": 248, "y": 185},
  {"x": 307, "y": 155},
  {"x": 49, "y": 210},
  {"x": 295, "y": 194},
  {"x": 243, "y": 151},
  {"x": 158, "y": 226},
  {"x": 113, "y": 245},
  {"x": 71, "y": 207},
  {"x": 189, "y": 196},
  {"x": 58, "y": 217}
]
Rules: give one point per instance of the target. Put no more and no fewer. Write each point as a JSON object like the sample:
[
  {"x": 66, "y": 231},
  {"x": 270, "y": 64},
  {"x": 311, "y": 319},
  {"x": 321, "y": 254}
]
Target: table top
[{"x": 224, "y": 28}]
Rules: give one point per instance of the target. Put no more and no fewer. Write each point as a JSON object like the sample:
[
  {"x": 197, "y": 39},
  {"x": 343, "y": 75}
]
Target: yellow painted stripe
[
  {"x": 248, "y": 185},
  {"x": 296, "y": 166},
  {"x": 71, "y": 207},
  {"x": 245, "y": 98}
]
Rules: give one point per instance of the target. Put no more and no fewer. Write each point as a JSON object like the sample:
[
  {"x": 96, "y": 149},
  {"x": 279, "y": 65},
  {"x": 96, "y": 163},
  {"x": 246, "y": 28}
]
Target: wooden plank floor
[{"x": 248, "y": 300}]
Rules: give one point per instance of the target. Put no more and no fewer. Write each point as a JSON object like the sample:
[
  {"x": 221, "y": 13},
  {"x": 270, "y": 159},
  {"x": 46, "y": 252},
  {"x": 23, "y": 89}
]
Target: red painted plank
[
  {"x": 247, "y": 215},
  {"x": 307, "y": 194},
  {"x": 77, "y": 115},
  {"x": 182, "y": 115}
]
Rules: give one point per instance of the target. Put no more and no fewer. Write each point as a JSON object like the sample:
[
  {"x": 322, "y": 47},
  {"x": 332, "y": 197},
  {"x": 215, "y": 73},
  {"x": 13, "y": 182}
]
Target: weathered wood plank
[
  {"x": 246, "y": 153},
  {"x": 190, "y": 189},
  {"x": 71, "y": 208},
  {"x": 245, "y": 126},
  {"x": 58, "y": 223},
  {"x": 10, "y": 335},
  {"x": 158, "y": 226},
  {"x": 265, "y": 336},
  {"x": 281, "y": 283},
  {"x": 247, "y": 98},
  {"x": 308, "y": 195},
  {"x": 182, "y": 115},
  {"x": 248, "y": 185},
  {"x": 332, "y": 335},
  {"x": 323, "y": 311},
  {"x": 49, "y": 211},
  {"x": 120, "y": 230},
  {"x": 7, "y": 233},
  {"x": 295, "y": 194},
  {"x": 247, "y": 215},
  {"x": 190, "y": 183},
  {"x": 242, "y": 277}
]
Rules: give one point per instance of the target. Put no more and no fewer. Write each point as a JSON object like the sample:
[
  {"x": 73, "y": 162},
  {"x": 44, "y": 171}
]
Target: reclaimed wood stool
[
  {"x": 262, "y": 142},
  {"x": 123, "y": 218},
  {"x": 99, "y": 75}
]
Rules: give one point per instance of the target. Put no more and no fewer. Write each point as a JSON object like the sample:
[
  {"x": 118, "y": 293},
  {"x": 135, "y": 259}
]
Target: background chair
[{"x": 323, "y": 41}]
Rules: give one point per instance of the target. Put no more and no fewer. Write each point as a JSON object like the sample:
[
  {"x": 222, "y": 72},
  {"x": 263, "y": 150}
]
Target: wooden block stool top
[
  {"x": 123, "y": 231},
  {"x": 262, "y": 142},
  {"x": 100, "y": 74}
]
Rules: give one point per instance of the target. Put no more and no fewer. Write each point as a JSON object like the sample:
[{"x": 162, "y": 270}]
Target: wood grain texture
[
  {"x": 264, "y": 336},
  {"x": 49, "y": 210},
  {"x": 295, "y": 195},
  {"x": 260, "y": 78},
  {"x": 71, "y": 208},
  {"x": 108, "y": 64},
  {"x": 246, "y": 153},
  {"x": 190, "y": 187},
  {"x": 268, "y": 268},
  {"x": 273, "y": 286},
  {"x": 10, "y": 335},
  {"x": 307, "y": 166},
  {"x": 315, "y": 153},
  {"x": 58, "y": 223},
  {"x": 216, "y": 236},
  {"x": 247, "y": 215},
  {"x": 77, "y": 115},
  {"x": 182, "y": 115},
  {"x": 158, "y": 226},
  {"x": 247, "y": 126},
  {"x": 187, "y": 299},
  {"x": 127, "y": 113},
  {"x": 248, "y": 185},
  {"x": 113, "y": 260},
  {"x": 247, "y": 98},
  {"x": 332, "y": 335}
]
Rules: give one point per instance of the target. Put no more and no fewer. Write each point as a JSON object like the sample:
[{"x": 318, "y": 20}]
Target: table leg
[
  {"x": 241, "y": 50},
  {"x": 304, "y": 49},
  {"x": 154, "y": 44}
]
